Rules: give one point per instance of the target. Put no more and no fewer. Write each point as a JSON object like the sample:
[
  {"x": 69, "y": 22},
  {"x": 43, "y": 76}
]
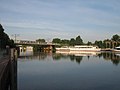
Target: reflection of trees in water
[
  {"x": 116, "y": 62},
  {"x": 56, "y": 57},
  {"x": 39, "y": 55},
  {"x": 99, "y": 55},
  {"x": 115, "y": 59},
  {"x": 72, "y": 57},
  {"x": 78, "y": 59},
  {"x": 59, "y": 56},
  {"x": 36, "y": 55}
]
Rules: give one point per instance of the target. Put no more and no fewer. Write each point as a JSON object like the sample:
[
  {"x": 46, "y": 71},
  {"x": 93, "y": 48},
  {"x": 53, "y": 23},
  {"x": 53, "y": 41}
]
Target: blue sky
[{"x": 65, "y": 19}]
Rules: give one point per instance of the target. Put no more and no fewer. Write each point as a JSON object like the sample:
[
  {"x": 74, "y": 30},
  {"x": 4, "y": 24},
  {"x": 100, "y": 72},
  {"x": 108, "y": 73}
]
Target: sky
[{"x": 65, "y": 19}]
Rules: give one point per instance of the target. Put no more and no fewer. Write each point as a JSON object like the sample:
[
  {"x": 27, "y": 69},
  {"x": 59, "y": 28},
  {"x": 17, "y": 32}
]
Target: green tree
[
  {"x": 65, "y": 42},
  {"x": 115, "y": 38},
  {"x": 11, "y": 43},
  {"x": 78, "y": 41},
  {"x": 1, "y": 31},
  {"x": 72, "y": 41},
  {"x": 99, "y": 44},
  {"x": 4, "y": 39},
  {"x": 89, "y": 43},
  {"x": 56, "y": 40},
  {"x": 40, "y": 40}
]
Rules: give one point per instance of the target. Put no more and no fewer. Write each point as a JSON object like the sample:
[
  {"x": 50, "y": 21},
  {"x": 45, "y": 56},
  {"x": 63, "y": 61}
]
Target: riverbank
[
  {"x": 8, "y": 70},
  {"x": 4, "y": 72}
]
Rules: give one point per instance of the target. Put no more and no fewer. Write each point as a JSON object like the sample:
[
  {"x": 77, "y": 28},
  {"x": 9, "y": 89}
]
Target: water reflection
[
  {"x": 113, "y": 57},
  {"x": 33, "y": 55},
  {"x": 58, "y": 71},
  {"x": 82, "y": 53}
]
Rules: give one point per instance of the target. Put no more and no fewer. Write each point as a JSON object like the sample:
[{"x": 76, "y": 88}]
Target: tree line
[
  {"x": 73, "y": 41},
  {"x": 102, "y": 44},
  {"x": 5, "y": 40},
  {"x": 79, "y": 41}
]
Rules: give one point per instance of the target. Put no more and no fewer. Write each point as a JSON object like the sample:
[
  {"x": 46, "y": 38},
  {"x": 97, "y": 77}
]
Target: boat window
[{"x": 117, "y": 48}]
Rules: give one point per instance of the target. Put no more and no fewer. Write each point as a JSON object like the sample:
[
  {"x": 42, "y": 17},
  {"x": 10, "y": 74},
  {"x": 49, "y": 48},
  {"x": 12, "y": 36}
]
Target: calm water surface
[{"x": 47, "y": 71}]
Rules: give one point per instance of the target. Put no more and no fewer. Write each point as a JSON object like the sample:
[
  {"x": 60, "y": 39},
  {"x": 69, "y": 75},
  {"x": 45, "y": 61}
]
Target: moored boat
[
  {"x": 79, "y": 48},
  {"x": 65, "y": 48},
  {"x": 116, "y": 49},
  {"x": 85, "y": 48}
]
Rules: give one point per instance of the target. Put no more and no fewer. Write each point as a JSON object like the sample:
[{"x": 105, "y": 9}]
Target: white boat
[
  {"x": 116, "y": 49},
  {"x": 65, "y": 48},
  {"x": 85, "y": 48},
  {"x": 79, "y": 48}
]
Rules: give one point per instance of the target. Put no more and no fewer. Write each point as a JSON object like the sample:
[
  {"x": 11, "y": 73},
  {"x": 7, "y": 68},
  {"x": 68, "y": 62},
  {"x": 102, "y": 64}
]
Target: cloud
[{"x": 62, "y": 18}]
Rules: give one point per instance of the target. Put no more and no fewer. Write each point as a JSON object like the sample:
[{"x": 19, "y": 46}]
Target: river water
[{"x": 56, "y": 71}]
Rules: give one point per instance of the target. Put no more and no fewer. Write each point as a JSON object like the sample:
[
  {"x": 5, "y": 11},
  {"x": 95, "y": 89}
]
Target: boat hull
[
  {"x": 62, "y": 49},
  {"x": 79, "y": 49}
]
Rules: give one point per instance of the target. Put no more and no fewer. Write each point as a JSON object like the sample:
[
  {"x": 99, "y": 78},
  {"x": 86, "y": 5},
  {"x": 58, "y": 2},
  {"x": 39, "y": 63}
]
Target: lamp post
[{"x": 15, "y": 37}]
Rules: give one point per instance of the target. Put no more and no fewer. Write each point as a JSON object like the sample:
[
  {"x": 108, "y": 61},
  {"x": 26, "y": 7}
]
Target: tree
[
  {"x": 40, "y": 40},
  {"x": 115, "y": 38},
  {"x": 89, "y": 43},
  {"x": 11, "y": 43},
  {"x": 4, "y": 39},
  {"x": 56, "y": 40},
  {"x": 72, "y": 41},
  {"x": 1, "y": 29},
  {"x": 99, "y": 44},
  {"x": 78, "y": 41},
  {"x": 65, "y": 41}
]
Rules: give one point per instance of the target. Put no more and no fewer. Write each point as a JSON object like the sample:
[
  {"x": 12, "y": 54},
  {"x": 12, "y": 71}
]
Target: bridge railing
[{"x": 35, "y": 43}]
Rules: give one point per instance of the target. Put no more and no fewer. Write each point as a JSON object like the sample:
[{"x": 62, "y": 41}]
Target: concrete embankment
[
  {"x": 8, "y": 71},
  {"x": 4, "y": 72}
]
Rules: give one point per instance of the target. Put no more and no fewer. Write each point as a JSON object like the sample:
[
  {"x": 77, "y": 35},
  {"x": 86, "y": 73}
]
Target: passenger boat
[
  {"x": 116, "y": 49},
  {"x": 84, "y": 48},
  {"x": 79, "y": 48},
  {"x": 64, "y": 48}
]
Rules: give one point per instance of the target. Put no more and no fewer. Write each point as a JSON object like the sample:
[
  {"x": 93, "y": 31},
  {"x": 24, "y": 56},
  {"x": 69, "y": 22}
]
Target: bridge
[
  {"x": 27, "y": 42},
  {"x": 42, "y": 46}
]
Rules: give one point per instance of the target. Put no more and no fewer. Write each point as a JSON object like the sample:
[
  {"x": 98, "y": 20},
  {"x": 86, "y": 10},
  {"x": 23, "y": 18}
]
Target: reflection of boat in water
[
  {"x": 79, "y": 48},
  {"x": 116, "y": 49},
  {"x": 118, "y": 54},
  {"x": 82, "y": 53},
  {"x": 26, "y": 53}
]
